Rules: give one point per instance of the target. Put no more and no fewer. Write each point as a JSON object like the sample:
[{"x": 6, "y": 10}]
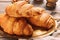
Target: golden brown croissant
[
  {"x": 22, "y": 9},
  {"x": 6, "y": 23},
  {"x": 44, "y": 20},
  {"x": 12, "y": 9},
  {"x": 16, "y": 26},
  {"x": 12, "y": 23},
  {"x": 1, "y": 15},
  {"x": 35, "y": 15}
]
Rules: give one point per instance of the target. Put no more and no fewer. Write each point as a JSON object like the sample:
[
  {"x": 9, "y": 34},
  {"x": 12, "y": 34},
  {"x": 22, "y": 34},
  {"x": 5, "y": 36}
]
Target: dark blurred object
[
  {"x": 38, "y": 1},
  {"x": 52, "y": 1},
  {"x": 51, "y": 4}
]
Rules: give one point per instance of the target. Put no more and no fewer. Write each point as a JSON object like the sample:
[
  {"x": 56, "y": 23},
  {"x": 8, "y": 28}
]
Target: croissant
[
  {"x": 22, "y": 9},
  {"x": 44, "y": 21},
  {"x": 36, "y": 15},
  {"x": 1, "y": 14},
  {"x": 14, "y": 22},
  {"x": 17, "y": 26}
]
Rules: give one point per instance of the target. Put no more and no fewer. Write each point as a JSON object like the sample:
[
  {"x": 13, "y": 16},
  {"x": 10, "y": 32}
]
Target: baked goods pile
[{"x": 20, "y": 16}]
